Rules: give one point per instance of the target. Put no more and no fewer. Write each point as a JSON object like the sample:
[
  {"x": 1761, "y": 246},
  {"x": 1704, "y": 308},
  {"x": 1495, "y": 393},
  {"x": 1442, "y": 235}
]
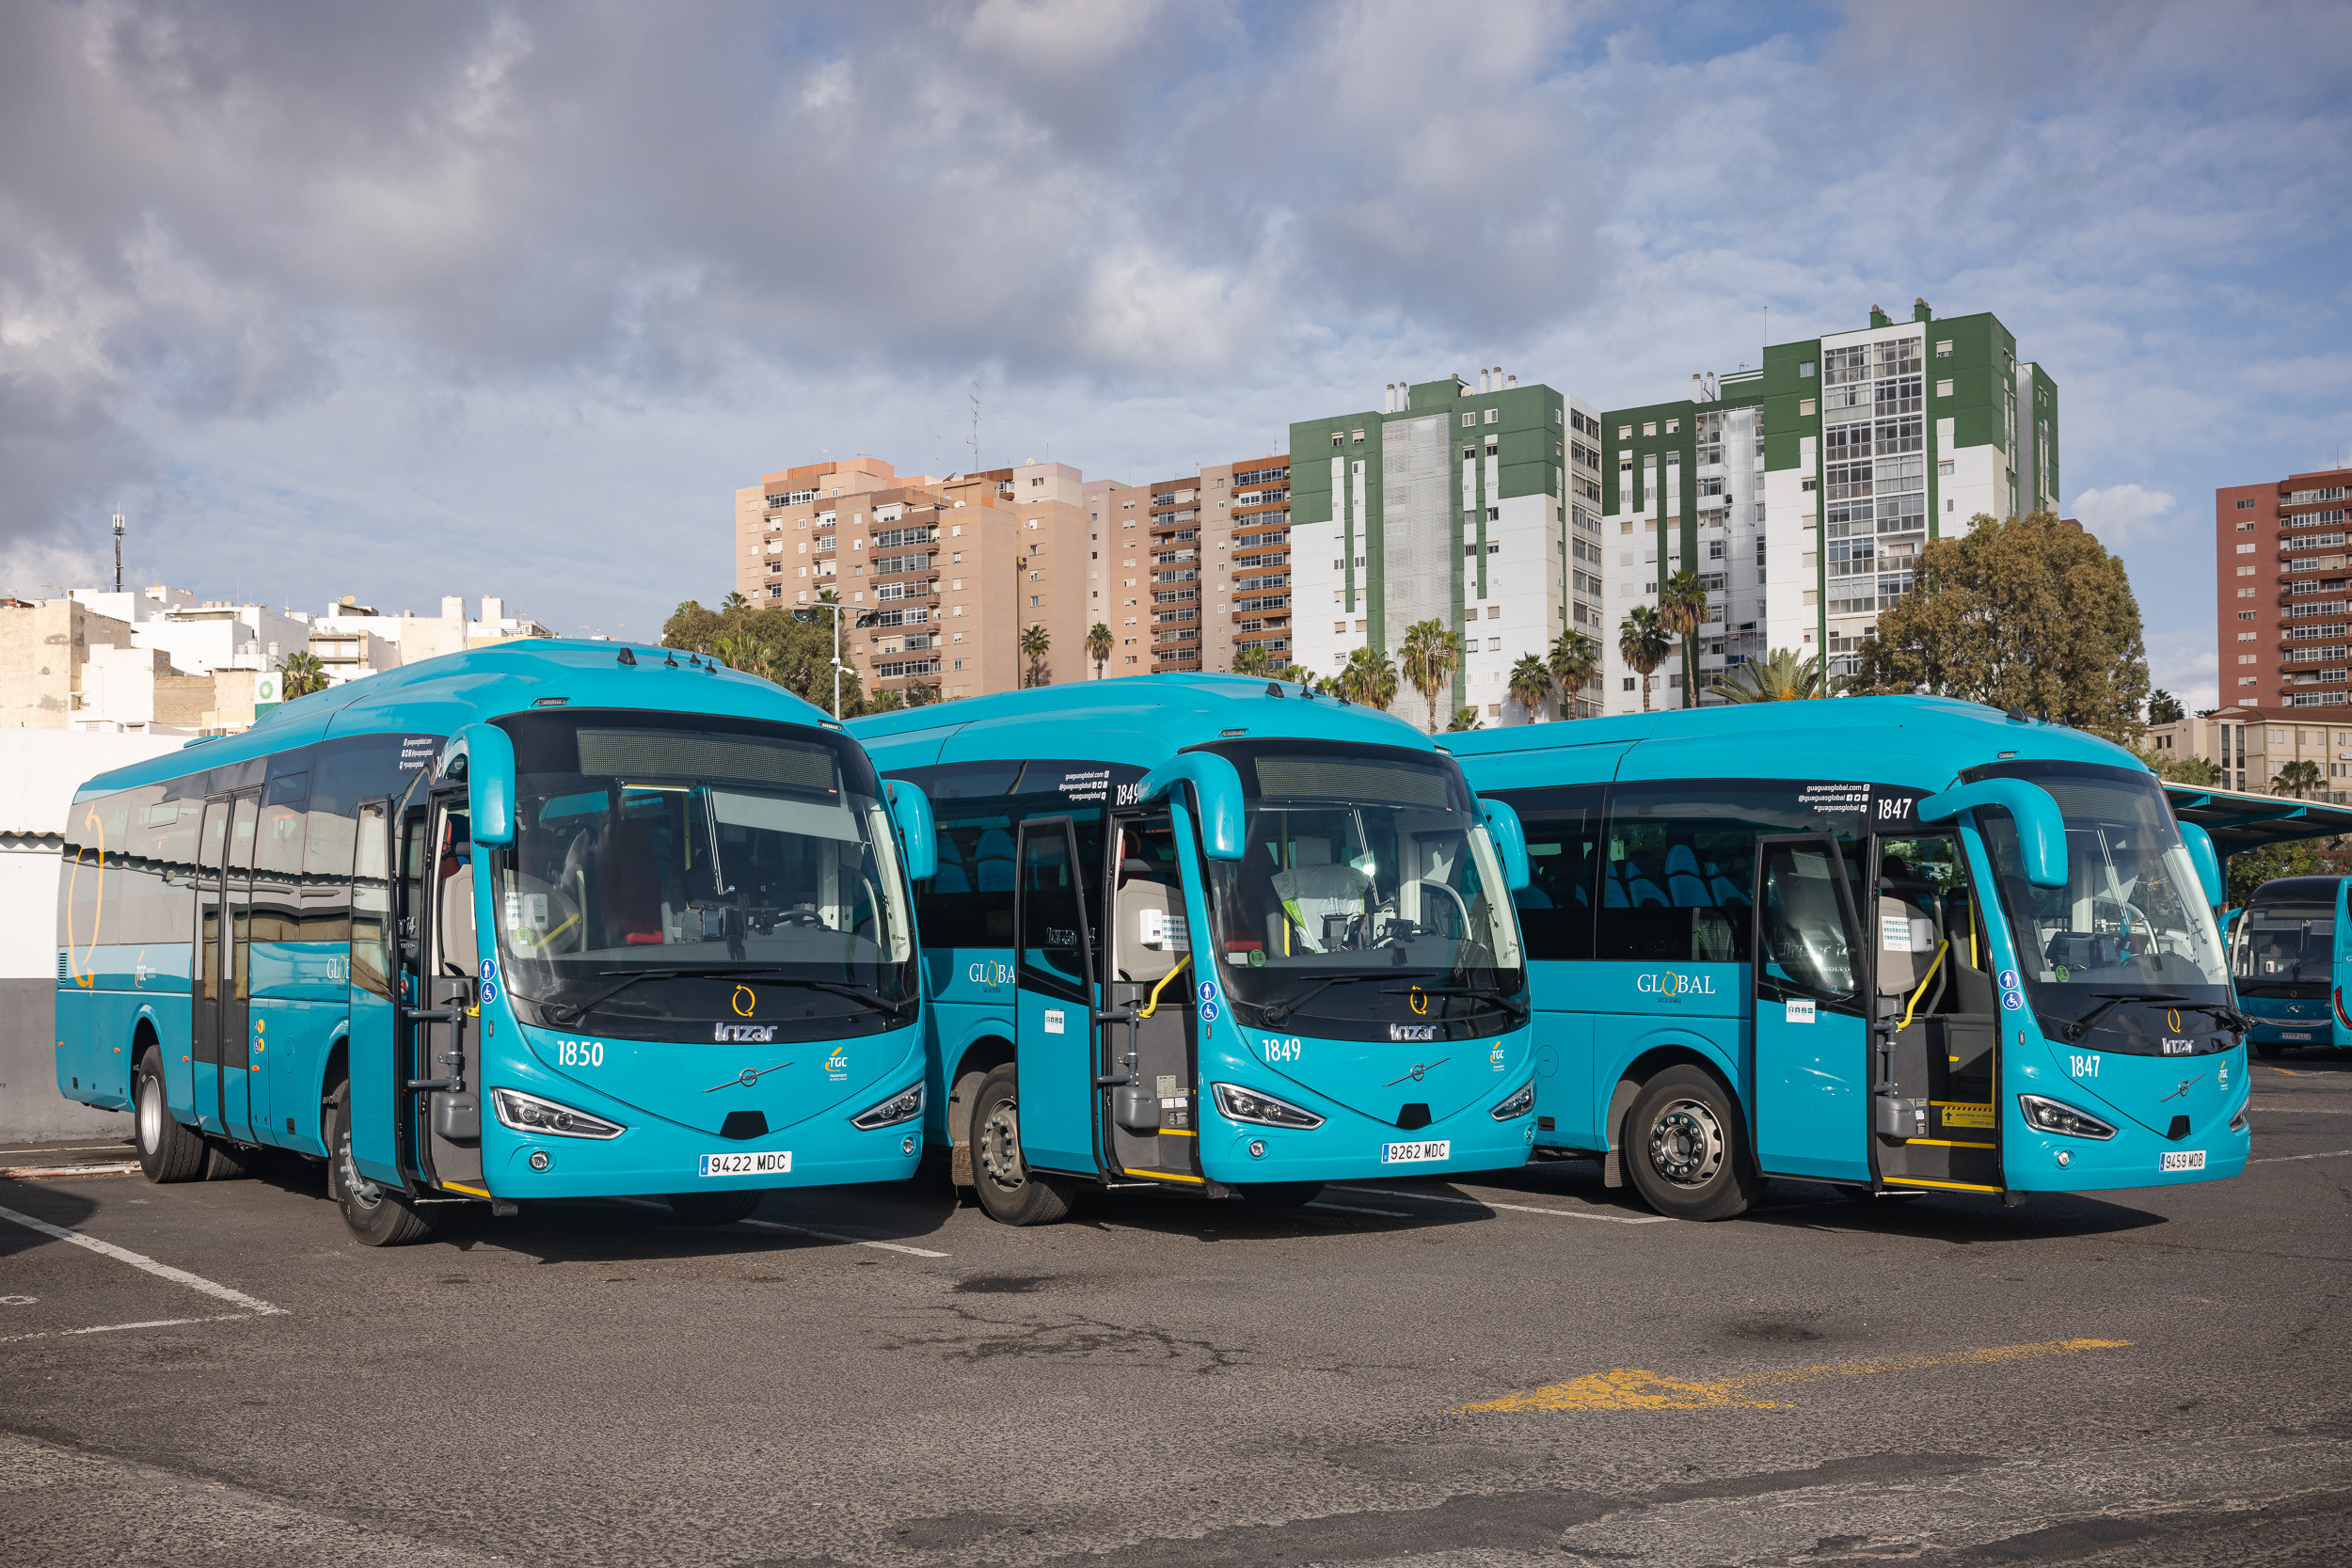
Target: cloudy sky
[{"x": 425, "y": 298}]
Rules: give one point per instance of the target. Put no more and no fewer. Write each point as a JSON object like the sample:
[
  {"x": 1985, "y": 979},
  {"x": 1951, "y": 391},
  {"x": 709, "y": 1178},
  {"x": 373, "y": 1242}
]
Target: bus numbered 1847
[
  {"x": 1895, "y": 944},
  {"x": 1208, "y": 933},
  {"x": 554, "y": 919}
]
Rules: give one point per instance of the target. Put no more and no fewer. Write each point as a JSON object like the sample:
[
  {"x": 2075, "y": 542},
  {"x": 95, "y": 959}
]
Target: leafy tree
[
  {"x": 2251, "y": 869},
  {"x": 2025, "y": 614},
  {"x": 2297, "y": 778},
  {"x": 798, "y": 654},
  {"x": 1035, "y": 643},
  {"x": 2164, "y": 707},
  {"x": 1574, "y": 660},
  {"x": 1530, "y": 684},
  {"x": 302, "y": 673},
  {"x": 887, "y": 700},
  {"x": 1643, "y": 643},
  {"x": 1464, "y": 718},
  {"x": 1098, "y": 646},
  {"x": 2191, "y": 770},
  {"x": 1682, "y": 611},
  {"x": 1427, "y": 657},
  {"x": 1782, "y": 678}
]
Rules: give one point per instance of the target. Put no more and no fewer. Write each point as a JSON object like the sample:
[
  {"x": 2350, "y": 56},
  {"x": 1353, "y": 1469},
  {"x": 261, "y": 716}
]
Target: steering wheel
[{"x": 1460, "y": 909}]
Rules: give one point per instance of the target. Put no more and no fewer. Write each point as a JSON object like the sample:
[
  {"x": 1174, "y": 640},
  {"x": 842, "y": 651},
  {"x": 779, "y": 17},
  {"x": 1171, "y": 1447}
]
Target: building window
[
  {"x": 1673, "y": 425},
  {"x": 1943, "y": 389},
  {"x": 1944, "y": 349},
  {"x": 1494, "y": 416},
  {"x": 1804, "y": 371},
  {"x": 1625, "y": 432},
  {"x": 2246, "y": 505},
  {"x": 1469, "y": 418},
  {"x": 1357, "y": 436},
  {"x": 1337, "y": 438},
  {"x": 1650, "y": 429}
]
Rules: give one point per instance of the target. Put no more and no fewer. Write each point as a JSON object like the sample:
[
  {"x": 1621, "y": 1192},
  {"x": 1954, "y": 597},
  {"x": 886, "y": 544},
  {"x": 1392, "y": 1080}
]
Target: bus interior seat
[
  {"x": 1726, "y": 892},
  {"x": 1146, "y": 905},
  {"x": 633, "y": 885},
  {"x": 993, "y": 862},
  {"x": 1641, "y": 891},
  {"x": 455, "y": 935},
  {"x": 1683, "y": 880},
  {"x": 1309, "y": 897},
  {"x": 951, "y": 876}
]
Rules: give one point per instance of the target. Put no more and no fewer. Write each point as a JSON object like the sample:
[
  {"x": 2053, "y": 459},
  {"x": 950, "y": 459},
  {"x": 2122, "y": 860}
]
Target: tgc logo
[
  {"x": 1672, "y": 985},
  {"x": 989, "y": 972}
]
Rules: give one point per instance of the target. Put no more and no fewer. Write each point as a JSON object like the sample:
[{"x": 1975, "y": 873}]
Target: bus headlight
[
  {"x": 1519, "y": 1105},
  {"x": 2049, "y": 1116},
  {"x": 528, "y": 1112},
  {"x": 1240, "y": 1105},
  {"x": 903, "y": 1106}
]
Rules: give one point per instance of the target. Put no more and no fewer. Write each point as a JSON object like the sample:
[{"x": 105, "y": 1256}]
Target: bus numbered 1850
[
  {"x": 554, "y": 919},
  {"x": 1213, "y": 934},
  {"x": 1895, "y": 944}
]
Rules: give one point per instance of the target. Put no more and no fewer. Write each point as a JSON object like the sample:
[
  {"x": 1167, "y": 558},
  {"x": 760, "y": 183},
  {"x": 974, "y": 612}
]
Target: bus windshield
[
  {"x": 1364, "y": 864},
  {"x": 2285, "y": 949},
  {"x": 2131, "y": 924},
  {"x": 691, "y": 855}
]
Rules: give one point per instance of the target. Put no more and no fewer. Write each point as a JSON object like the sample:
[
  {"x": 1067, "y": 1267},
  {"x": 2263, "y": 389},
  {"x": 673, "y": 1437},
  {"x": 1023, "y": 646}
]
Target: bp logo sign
[
  {"x": 1672, "y": 985},
  {"x": 269, "y": 690}
]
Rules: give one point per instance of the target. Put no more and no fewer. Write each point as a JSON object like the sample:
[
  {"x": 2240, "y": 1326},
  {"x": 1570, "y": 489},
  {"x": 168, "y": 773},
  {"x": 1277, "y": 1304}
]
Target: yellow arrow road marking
[{"x": 1634, "y": 1388}]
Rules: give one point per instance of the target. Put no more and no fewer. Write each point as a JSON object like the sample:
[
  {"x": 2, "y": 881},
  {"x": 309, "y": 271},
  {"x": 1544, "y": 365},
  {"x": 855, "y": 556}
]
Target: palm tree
[
  {"x": 1574, "y": 660},
  {"x": 1098, "y": 646},
  {"x": 301, "y": 675},
  {"x": 1681, "y": 609},
  {"x": 734, "y": 601},
  {"x": 1464, "y": 719},
  {"x": 743, "y": 652},
  {"x": 1035, "y": 643},
  {"x": 1530, "y": 683},
  {"x": 1782, "y": 678},
  {"x": 824, "y": 595},
  {"x": 1643, "y": 644},
  {"x": 2295, "y": 778},
  {"x": 1302, "y": 677},
  {"x": 1251, "y": 659},
  {"x": 1427, "y": 657},
  {"x": 1368, "y": 677}
]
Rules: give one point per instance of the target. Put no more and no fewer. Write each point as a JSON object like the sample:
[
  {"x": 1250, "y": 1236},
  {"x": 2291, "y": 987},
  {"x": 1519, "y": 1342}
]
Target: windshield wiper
[
  {"x": 2223, "y": 1014},
  {"x": 1275, "y": 1012},
  {"x": 1516, "y": 1009},
  {"x": 629, "y": 977},
  {"x": 2109, "y": 1001}
]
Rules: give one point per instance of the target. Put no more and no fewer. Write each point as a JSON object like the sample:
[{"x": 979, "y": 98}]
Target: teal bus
[
  {"x": 549, "y": 919},
  {"x": 1895, "y": 944},
  {"x": 2286, "y": 955},
  {"x": 1208, "y": 933}
]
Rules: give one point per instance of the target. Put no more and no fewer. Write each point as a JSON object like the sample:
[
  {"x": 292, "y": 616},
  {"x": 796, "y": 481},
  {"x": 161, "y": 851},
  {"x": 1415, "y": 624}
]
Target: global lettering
[{"x": 1671, "y": 986}]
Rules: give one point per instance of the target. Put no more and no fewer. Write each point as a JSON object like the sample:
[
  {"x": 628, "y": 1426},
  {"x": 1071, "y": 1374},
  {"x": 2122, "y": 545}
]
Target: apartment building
[
  {"x": 2283, "y": 591},
  {"x": 1803, "y": 491},
  {"x": 2253, "y": 745},
  {"x": 1480, "y": 542}
]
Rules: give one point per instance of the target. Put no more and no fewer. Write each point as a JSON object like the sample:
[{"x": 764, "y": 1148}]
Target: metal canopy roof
[{"x": 2240, "y": 821}]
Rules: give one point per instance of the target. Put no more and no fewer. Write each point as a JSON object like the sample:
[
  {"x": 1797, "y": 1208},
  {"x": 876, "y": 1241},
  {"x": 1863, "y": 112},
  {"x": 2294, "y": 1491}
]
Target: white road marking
[
  {"x": 254, "y": 1305},
  {"x": 852, "y": 1241},
  {"x": 117, "y": 1328},
  {"x": 2309, "y": 1110},
  {"x": 2283, "y": 1159},
  {"x": 1352, "y": 1209},
  {"x": 1515, "y": 1208},
  {"x": 36, "y": 1172},
  {"x": 71, "y": 1148}
]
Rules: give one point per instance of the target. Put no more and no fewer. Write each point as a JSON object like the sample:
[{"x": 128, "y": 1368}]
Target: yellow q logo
[
  {"x": 744, "y": 1000},
  {"x": 1420, "y": 1002},
  {"x": 2173, "y": 1017}
]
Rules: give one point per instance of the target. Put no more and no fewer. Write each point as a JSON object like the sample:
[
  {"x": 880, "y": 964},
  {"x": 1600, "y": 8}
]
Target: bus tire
[
  {"x": 2269, "y": 1051},
  {"x": 1279, "y": 1194},
  {"x": 377, "y": 1215},
  {"x": 226, "y": 1162},
  {"x": 1685, "y": 1150},
  {"x": 168, "y": 1151},
  {"x": 714, "y": 1207},
  {"x": 1010, "y": 1191}
]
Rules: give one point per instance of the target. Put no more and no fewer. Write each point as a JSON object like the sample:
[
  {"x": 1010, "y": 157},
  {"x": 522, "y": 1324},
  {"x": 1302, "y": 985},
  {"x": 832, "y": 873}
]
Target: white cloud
[{"x": 2122, "y": 514}]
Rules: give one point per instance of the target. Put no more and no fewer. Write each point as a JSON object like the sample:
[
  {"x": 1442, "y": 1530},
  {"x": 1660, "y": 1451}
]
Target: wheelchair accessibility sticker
[{"x": 1208, "y": 1001}]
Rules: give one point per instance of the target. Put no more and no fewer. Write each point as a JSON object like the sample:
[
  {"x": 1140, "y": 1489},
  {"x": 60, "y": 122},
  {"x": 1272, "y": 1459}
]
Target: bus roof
[
  {"x": 2297, "y": 890},
  {"x": 1922, "y": 742},
  {"x": 1140, "y": 721},
  {"x": 439, "y": 696}
]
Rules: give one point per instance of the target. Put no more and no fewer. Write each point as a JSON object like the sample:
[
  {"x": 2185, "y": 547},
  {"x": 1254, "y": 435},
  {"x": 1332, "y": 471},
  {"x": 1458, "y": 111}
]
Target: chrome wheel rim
[
  {"x": 1686, "y": 1143},
  {"x": 151, "y": 1114},
  {"x": 1000, "y": 1145},
  {"x": 357, "y": 1188}
]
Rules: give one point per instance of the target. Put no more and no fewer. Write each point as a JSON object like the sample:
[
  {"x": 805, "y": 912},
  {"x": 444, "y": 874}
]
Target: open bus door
[
  {"x": 1055, "y": 1001},
  {"x": 1147, "y": 1055},
  {"x": 1811, "y": 1009}
]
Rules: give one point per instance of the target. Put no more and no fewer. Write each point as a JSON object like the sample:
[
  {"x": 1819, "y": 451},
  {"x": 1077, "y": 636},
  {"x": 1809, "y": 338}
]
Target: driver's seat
[{"x": 1310, "y": 895}]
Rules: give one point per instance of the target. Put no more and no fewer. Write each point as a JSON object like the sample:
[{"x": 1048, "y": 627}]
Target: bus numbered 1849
[
  {"x": 1213, "y": 934},
  {"x": 553, "y": 919},
  {"x": 1896, "y": 945}
]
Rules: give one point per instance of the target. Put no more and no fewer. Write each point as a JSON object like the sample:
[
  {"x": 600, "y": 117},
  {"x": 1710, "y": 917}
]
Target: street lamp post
[{"x": 807, "y": 613}]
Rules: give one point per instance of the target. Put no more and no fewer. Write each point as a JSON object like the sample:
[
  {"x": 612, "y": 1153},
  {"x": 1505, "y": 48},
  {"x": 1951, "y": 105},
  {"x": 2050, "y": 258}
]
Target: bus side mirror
[
  {"x": 2041, "y": 830},
  {"x": 485, "y": 755},
  {"x": 910, "y": 809},
  {"x": 1218, "y": 788},
  {"x": 1510, "y": 843},
  {"x": 2208, "y": 860}
]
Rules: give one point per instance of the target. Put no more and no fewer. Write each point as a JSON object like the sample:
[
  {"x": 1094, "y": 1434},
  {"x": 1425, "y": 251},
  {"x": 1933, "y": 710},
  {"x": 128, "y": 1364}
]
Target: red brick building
[{"x": 2284, "y": 592}]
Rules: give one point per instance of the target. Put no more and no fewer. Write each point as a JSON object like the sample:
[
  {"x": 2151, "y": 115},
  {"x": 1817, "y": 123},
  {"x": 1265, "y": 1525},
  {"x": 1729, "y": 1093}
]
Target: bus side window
[
  {"x": 371, "y": 903},
  {"x": 1677, "y": 861},
  {"x": 1563, "y": 854}
]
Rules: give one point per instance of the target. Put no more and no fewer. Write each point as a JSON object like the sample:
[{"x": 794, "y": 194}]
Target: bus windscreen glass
[
  {"x": 735, "y": 849},
  {"x": 2286, "y": 950},
  {"x": 1369, "y": 894}
]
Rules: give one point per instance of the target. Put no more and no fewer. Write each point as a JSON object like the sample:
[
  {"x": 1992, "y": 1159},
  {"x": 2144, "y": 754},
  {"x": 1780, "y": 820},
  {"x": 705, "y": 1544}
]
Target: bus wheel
[
  {"x": 1684, "y": 1148},
  {"x": 1010, "y": 1191},
  {"x": 225, "y": 1161},
  {"x": 714, "y": 1207},
  {"x": 377, "y": 1215},
  {"x": 1279, "y": 1194},
  {"x": 167, "y": 1151},
  {"x": 2269, "y": 1051}
]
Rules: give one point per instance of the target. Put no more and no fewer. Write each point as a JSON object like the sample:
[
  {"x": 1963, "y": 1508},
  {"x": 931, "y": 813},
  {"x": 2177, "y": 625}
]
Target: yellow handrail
[
  {"x": 1923, "y": 986},
  {"x": 1148, "y": 1006}
]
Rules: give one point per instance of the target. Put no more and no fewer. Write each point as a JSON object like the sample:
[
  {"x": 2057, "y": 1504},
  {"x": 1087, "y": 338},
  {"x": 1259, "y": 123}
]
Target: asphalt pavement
[{"x": 1517, "y": 1370}]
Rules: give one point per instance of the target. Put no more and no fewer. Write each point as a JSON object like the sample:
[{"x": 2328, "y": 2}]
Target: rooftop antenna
[
  {"x": 118, "y": 552},
  {"x": 976, "y": 424}
]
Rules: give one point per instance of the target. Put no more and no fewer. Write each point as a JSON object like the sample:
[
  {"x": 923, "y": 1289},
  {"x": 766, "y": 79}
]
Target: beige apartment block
[
  {"x": 2252, "y": 745},
  {"x": 44, "y": 651},
  {"x": 1118, "y": 593}
]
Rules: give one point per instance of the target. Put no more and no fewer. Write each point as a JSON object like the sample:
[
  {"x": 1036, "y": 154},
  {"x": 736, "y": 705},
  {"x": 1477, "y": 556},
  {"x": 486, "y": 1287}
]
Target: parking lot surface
[{"x": 1518, "y": 1369}]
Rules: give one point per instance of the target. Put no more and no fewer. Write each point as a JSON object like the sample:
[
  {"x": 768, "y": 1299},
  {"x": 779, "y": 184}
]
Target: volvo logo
[
  {"x": 1420, "y": 1069},
  {"x": 2186, "y": 1084},
  {"x": 748, "y": 1077}
]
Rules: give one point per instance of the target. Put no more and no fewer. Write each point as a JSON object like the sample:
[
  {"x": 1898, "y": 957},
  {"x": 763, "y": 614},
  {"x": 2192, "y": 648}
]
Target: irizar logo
[
  {"x": 1670, "y": 985},
  {"x": 743, "y": 1034}
]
